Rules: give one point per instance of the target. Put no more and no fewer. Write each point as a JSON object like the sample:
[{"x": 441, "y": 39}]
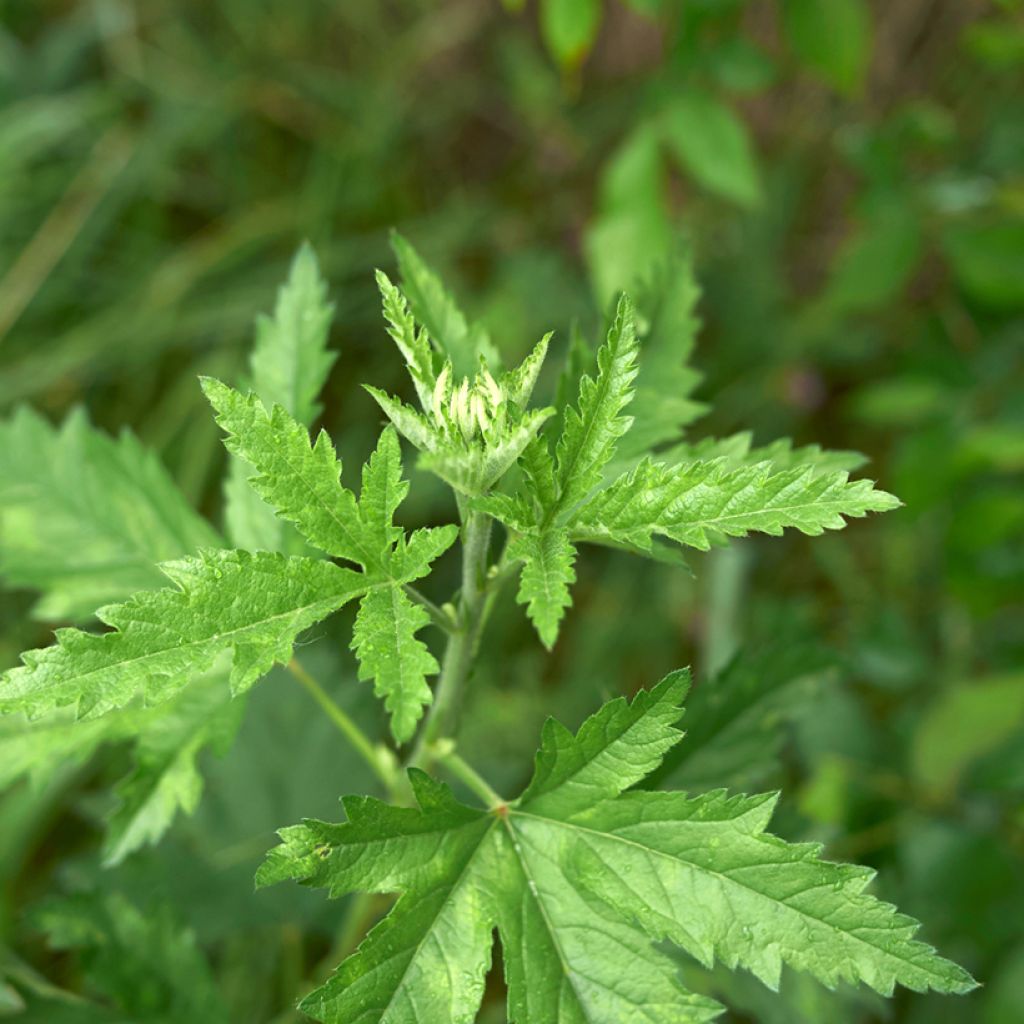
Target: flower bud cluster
[{"x": 469, "y": 409}]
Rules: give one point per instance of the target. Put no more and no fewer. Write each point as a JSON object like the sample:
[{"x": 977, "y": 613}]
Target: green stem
[
  {"x": 375, "y": 756},
  {"x": 438, "y": 616},
  {"x": 444, "y": 752},
  {"x": 463, "y": 642}
]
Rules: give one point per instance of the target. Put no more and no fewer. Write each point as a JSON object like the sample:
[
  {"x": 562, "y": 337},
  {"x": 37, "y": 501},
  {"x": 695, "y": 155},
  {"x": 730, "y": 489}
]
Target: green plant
[{"x": 586, "y": 873}]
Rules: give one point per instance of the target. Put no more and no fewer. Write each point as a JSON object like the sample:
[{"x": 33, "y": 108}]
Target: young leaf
[
  {"x": 737, "y": 450},
  {"x": 582, "y": 881},
  {"x": 434, "y": 307},
  {"x": 590, "y": 433},
  {"x": 290, "y": 363},
  {"x": 412, "y": 342},
  {"x": 705, "y": 503},
  {"x": 545, "y": 578},
  {"x": 303, "y": 481},
  {"x": 389, "y": 653},
  {"x": 85, "y": 518},
  {"x": 254, "y": 605},
  {"x": 666, "y": 311}
]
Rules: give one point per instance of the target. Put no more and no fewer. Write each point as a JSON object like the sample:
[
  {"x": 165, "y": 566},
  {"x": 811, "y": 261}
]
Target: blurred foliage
[{"x": 850, "y": 178}]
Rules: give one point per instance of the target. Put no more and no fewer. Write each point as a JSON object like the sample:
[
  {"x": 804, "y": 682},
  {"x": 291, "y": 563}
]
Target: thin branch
[
  {"x": 444, "y": 753},
  {"x": 375, "y": 756},
  {"x": 440, "y": 618}
]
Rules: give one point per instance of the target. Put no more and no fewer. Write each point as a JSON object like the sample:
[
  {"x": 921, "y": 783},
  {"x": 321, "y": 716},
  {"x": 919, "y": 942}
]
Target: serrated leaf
[
  {"x": 582, "y": 881},
  {"x": 166, "y": 778},
  {"x": 303, "y": 482},
  {"x": 738, "y": 450},
  {"x": 663, "y": 407},
  {"x": 545, "y": 578},
  {"x": 704, "y": 503},
  {"x": 85, "y": 517},
  {"x": 289, "y": 365},
  {"x": 592, "y": 430},
  {"x": 435, "y": 308},
  {"x": 253, "y": 605},
  {"x": 384, "y": 639},
  {"x": 413, "y": 343}
]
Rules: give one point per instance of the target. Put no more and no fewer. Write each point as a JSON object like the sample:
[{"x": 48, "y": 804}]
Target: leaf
[
  {"x": 413, "y": 343},
  {"x": 569, "y": 28},
  {"x": 591, "y": 432},
  {"x": 166, "y": 777},
  {"x": 289, "y": 365},
  {"x": 84, "y": 517},
  {"x": 834, "y": 39},
  {"x": 666, "y": 310},
  {"x": 738, "y": 450},
  {"x": 303, "y": 481},
  {"x": 145, "y": 964},
  {"x": 704, "y": 503},
  {"x": 713, "y": 146},
  {"x": 985, "y": 258},
  {"x": 582, "y": 882},
  {"x": 434, "y": 307},
  {"x": 384, "y": 639},
  {"x": 545, "y": 578},
  {"x": 254, "y": 605},
  {"x": 735, "y": 719}
]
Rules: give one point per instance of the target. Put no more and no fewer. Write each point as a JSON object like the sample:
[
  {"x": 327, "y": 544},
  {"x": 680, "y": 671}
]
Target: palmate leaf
[
  {"x": 545, "y": 578},
  {"x": 253, "y": 605},
  {"x": 289, "y": 365},
  {"x": 303, "y": 482},
  {"x": 84, "y": 518},
  {"x": 582, "y": 881}
]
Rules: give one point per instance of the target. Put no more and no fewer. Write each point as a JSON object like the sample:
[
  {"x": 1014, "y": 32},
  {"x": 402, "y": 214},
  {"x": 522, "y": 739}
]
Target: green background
[{"x": 850, "y": 179}]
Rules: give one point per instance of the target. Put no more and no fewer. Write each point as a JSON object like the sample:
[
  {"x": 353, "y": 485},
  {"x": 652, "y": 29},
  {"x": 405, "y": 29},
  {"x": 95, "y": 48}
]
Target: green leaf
[
  {"x": 583, "y": 881},
  {"x": 254, "y": 605},
  {"x": 303, "y": 482},
  {"x": 84, "y": 517},
  {"x": 412, "y": 342},
  {"x": 165, "y": 778},
  {"x": 832, "y": 38},
  {"x": 435, "y": 308},
  {"x": 666, "y": 312},
  {"x": 569, "y": 28},
  {"x": 290, "y": 363},
  {"x": 704, "y": 503},
  {"x": 545, "y": 578},
  {"x": 713, "y": 146},
  {"x": 144, "y": 963},
  {"x": 738, "y": 450},
  {"x": 592, "y": 431},
  {"x": 986, "y": 260},
  {"x": 384, "y": 639}
]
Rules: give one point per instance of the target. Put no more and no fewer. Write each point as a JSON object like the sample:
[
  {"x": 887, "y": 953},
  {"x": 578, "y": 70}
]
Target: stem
[
  {"x": 465, "y": 772},
  {"x": 438, "y": 616},
  {"x": 463, "y": 642},
  {"x": 375, "y": 757}
]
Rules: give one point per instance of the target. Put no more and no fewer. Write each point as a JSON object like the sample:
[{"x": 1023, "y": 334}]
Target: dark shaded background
[{"x": 850, "y": 177}]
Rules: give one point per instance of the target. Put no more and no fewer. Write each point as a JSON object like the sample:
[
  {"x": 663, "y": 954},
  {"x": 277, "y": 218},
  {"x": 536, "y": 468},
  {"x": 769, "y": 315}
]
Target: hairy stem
[
  {"x": 463, "y": 642},
  {"x": 438, "y": 616},
  {"x": 375, "y": 756},
  {"x": 444, "y": 753}
]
